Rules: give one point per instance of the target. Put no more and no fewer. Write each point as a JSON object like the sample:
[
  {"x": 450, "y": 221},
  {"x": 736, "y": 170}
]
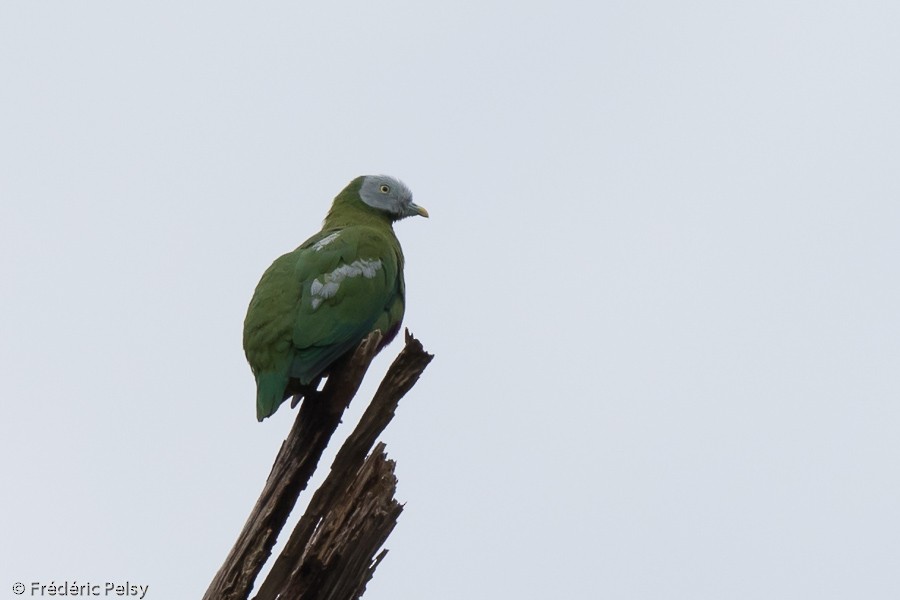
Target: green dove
[{"x": 315, "y": 304}]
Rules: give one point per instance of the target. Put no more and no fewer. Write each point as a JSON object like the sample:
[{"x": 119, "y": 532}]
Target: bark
[
  {"x": 332, "y": 550},
  {"x": 340, "y": 558}
]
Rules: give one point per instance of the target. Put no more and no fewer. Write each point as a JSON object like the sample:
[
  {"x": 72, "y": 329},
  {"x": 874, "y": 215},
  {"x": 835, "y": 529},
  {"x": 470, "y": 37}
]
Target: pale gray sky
[{"x": 661, "y": 280}]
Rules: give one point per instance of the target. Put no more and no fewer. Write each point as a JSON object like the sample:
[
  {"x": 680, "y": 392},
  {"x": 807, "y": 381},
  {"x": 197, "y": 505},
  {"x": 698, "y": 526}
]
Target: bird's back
[{"x": 318, "y": 302}]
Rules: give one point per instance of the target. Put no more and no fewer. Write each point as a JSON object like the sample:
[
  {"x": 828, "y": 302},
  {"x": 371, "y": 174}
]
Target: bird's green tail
[{"x": 269, "y": 393}]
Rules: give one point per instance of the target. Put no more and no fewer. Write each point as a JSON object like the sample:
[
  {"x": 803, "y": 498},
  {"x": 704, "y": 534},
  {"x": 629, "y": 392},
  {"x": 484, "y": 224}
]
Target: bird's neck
[{"x": 345, "y": 214}]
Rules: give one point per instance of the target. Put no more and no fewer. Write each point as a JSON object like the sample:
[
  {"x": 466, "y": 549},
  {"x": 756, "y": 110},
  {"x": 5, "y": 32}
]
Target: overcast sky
[{"x": 661, "y": 278}]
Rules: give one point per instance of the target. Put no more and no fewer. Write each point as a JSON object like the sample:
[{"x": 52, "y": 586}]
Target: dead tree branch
[{"x": 331, "y": 552}]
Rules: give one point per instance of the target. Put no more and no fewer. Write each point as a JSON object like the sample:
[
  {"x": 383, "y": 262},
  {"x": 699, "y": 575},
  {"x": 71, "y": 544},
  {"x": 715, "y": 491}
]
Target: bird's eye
[{"x": 385, "y": 189}]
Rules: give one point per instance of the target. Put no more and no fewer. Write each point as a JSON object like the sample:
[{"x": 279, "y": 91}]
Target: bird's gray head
[{"x": 390, "y": 195}]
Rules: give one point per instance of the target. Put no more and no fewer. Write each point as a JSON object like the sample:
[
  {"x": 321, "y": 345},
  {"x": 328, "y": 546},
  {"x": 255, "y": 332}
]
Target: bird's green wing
[
  {"x": 349, "y": 284},
  {"x": 268, "y": 329},
  {"x": 316, "y": 303}
]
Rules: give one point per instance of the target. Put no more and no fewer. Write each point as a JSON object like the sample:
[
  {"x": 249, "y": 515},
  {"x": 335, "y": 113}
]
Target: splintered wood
[{"x": 333, "y": 550}]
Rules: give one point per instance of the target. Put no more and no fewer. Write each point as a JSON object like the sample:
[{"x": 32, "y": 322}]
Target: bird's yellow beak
[{"x": 419, "y": 210}]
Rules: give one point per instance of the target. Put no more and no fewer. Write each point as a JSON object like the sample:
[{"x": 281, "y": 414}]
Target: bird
[{"x": 318, "y": 302}]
